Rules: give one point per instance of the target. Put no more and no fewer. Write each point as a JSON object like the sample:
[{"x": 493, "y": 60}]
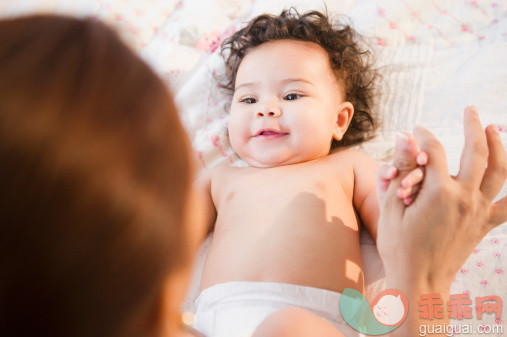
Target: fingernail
[
  {"x": 401, "y": 140},
  {"x": 495, "y": 129}
]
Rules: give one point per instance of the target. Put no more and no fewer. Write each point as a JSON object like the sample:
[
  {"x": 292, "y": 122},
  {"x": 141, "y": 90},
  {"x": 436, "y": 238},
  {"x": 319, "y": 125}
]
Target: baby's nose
[{"x": 269, "y": 110}]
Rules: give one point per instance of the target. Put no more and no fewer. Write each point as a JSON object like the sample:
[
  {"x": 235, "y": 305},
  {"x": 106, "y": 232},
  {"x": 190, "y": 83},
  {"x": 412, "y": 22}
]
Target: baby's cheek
[{"x": 237, "y": 133}]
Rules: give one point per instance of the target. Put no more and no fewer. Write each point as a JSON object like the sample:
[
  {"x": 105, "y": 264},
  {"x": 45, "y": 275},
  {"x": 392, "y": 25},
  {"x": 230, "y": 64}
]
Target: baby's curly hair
[{"x": 351, "y": 63}]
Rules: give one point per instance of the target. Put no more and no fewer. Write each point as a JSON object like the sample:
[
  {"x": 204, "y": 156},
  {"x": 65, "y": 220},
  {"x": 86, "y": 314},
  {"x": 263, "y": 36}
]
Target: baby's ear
[{"x": 344, "y": 115}]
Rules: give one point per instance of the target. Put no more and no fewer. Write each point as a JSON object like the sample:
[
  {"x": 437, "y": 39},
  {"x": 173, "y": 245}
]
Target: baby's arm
[
  {"x": 203, "y": 186},
  {"x": 365, "y": 193}
]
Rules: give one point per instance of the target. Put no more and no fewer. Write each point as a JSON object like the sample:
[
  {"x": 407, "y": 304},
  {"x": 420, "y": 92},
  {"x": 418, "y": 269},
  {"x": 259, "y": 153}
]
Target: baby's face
[{"x": 288, "y": 89}]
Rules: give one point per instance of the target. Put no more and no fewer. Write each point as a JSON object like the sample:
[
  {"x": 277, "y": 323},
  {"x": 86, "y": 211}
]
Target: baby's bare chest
[{"x": 317, "y": 194}]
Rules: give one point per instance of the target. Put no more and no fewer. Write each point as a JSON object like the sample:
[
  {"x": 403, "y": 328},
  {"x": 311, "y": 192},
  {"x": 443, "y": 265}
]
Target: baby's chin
[
  {"x": 266, "y": 165},
  {"x": 280, "y": 156},
  {"x": 272, "y": 162}
]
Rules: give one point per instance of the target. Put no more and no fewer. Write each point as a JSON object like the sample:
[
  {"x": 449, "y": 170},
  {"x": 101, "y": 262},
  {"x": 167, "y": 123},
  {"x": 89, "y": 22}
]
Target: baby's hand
[{"x": 412, "y": 159}]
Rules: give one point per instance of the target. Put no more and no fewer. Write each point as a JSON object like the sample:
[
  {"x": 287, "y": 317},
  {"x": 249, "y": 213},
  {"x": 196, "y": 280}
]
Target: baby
[{"x": 286, "y": 228}]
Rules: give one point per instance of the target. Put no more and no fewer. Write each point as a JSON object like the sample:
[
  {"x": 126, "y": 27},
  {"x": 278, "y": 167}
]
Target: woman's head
[
  {"x": 348, "y": 61},
  {"x": 95, "y": 174}
]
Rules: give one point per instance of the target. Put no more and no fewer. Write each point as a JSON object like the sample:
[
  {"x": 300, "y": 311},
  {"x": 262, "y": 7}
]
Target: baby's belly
[{"x": 299, "y": 245}]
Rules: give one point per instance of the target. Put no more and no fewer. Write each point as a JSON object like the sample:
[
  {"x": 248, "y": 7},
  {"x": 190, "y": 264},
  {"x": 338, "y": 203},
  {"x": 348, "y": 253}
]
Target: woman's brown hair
[
  {"x": 350, "y": 61},
  {"x": 95, "y": 169}
]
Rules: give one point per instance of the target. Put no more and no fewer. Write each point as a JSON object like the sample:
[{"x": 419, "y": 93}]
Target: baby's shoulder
[
  {"x": 212, "y": 179},
  {"x": 360, "y": 164}
]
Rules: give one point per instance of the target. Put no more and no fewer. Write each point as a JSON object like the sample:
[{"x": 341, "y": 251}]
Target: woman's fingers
[
  {"x": 475, "y": 154},
  {"x": 496, "y": 172},
  {"x": 436, "y": 167}
]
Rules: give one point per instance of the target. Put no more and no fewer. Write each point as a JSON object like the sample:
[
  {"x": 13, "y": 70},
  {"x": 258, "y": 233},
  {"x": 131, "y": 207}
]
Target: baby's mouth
[{"x": 269, "y": 134}]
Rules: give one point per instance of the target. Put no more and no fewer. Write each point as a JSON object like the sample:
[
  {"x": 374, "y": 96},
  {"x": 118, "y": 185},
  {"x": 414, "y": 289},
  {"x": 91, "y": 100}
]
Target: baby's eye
[
  {"x": 291, "y": 97},
  {"x": 249, "y": 100}
]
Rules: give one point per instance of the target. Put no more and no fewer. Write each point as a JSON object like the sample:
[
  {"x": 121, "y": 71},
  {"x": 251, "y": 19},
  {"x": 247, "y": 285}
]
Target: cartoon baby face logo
[
  {"x": 387, "y": 312},
  {"x": 390, "y": 307}
]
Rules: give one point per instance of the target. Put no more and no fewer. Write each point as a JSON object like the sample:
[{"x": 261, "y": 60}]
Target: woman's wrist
[
  {"x": 417, "y": 280},
  {"x": 419, "y": 289},
  {"x": 415, "y": 287}
]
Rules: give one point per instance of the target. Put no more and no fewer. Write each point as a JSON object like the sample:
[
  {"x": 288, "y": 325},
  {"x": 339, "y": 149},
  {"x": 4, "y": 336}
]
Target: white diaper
[{"x": 235, "y": 309}]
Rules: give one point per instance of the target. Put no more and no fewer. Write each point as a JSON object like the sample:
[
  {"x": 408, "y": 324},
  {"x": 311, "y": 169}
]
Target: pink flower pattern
[{"x": 445, "y": 21}]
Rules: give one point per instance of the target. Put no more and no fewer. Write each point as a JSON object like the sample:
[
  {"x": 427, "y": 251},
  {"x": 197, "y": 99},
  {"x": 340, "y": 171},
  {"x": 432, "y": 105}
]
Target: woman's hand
[
  {"x": 430, "y": 240},
  {"x": 451, "y": 215}
]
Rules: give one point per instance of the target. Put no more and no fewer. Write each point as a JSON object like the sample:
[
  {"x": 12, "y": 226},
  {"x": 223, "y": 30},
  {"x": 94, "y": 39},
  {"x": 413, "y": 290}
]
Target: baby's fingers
[
  {"x": 408, "y": 194},
  {"x": 411, "y": 184},
  {"x": 413, "y": 178},
  {"x": 408, "y": 201},
  {"x": 404, "y": 192}
]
